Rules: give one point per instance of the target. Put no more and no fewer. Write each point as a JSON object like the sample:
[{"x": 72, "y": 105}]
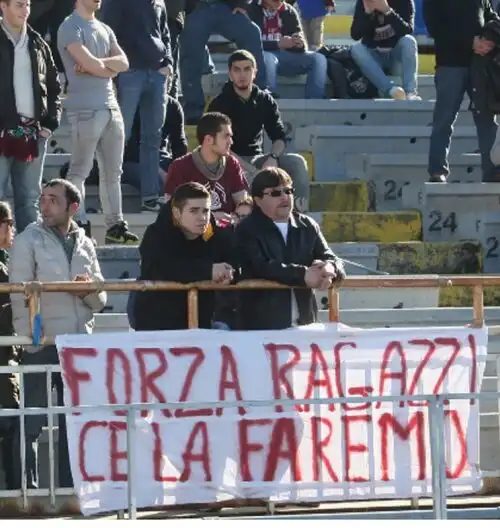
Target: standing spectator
[
  {"x": 173, "y": 145},
  {"x": 456, "y": 26},
  {"x": 285, "y": 48},
  {"x": 312, "y": 14},
  {"x": 277, "y": 244},
  {"x": 53, "y": 249},
  {"x": 9, "y": 357},
  {"x": 385, "y": 29},
  {"x": 141, "y": 29},
  {"x": 92, "y": 58},
  {"x": 46, "y": 17},
  {"x": 212, "y": 165},
  {"x": 252, "y": 111},
  {"x": 228, "y": 18},
  {"x": 183, "y": 245},
  {"x": 30, "y": 108}
]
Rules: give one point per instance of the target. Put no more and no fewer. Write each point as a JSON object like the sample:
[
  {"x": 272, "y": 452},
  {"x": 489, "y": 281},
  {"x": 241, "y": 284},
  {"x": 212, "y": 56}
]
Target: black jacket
[
  {"x": 264, "y": 255},
  {"x": 167, "y": 255},
  {"x": 250, "y": 118},
  {"x": 290, "y": 24},
  {"x": 453, "y": 24},
  {"x": 377, "y": 30},
  {"x": 485, "y": 73},
  {"x": 46, "y": 87},
  {"x": 192, "y": 4}
]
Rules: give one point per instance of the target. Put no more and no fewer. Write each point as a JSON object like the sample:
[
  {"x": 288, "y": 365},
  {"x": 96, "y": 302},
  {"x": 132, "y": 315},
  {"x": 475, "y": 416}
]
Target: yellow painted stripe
[
  {"x": 442, "y": 258},
  {"x": 308, "y": 156},
  {"x": 349, "y": 196},
  {"x": 371, "y": 227},
  {"x": 426, "y": 64},
  {"x": 336, "y": 25}
]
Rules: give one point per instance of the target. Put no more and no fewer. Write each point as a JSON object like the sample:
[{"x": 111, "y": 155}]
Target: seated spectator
[
  {"x": 252, "y": 111},
  {"x": 385, "y": 29},
  {"x": 10, "y": 458},
  {"x": 278, "y": 244},
  {"x": 285, "y": 48},
  {"x": 312, "y": 15},
  {"x": 211, "y": 165},
  {"x": 173, "y": 145},
  {"x": 142, "y": 31},
  {"x": 227, "y": 18},
  {"x": 185, "y": 245},
  {"x": 243, "y": 209}
]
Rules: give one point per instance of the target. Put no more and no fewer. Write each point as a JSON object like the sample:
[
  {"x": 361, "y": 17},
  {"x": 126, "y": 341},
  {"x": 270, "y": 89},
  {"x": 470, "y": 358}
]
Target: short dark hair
[
  {"x": 71, "y": 192},
  {"x": 5, "y": 211},
  {"x": 210, "y": 124},
  {"x": 188, "y": 191},
  {"x": 241, "y": 55},
  {"x": 267, "y": 178}
]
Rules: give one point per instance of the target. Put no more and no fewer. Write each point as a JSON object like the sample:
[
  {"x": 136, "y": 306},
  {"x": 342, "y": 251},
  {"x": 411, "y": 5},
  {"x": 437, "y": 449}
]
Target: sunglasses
[{"x": 276, "y": 193}]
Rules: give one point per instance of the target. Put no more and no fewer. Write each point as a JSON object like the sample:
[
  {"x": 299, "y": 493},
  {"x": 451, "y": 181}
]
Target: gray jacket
[{"x": 38, "y": 255}]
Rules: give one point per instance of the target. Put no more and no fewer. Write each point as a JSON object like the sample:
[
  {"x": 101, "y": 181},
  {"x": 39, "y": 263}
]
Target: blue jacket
[
  {"x": 312, "y": 8},
  {"x": 141, "y": 29}
]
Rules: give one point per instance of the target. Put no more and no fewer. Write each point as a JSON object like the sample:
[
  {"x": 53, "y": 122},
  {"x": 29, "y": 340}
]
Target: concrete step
[
  {"x": 389, "y": 173},
  {"x": 453, "y": 211},
  {"x": 391, "y": 227},
  {"x": 53, "y": 165},
  {"x": 293, "y": 87},
  {"x": 339, "y": 196},
  {"x": 365, "y": 254},
  {"x": 330, "y": 145}
]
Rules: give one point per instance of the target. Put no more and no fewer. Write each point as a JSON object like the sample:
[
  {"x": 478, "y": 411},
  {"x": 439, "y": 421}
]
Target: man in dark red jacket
[{"x": 208, "y": 17}]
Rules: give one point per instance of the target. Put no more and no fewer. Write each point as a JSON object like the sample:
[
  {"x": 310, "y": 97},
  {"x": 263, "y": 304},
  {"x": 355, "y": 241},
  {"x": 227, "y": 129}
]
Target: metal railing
[{"x": 34, "y": 290}]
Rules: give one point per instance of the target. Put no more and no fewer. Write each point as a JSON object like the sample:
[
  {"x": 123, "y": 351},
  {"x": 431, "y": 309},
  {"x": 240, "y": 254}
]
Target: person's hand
[
  {"x": 314, "y": 277},
  {"x": 286, "y": 43},
  {"x": 369, "y": 7},
  {"x": 222, "y": 273},
  {"x": 381, "y": 6},
  {"x": 482, "y": 46},
  {"x": 270, "y": 162},
  {"x": 219, "y": 215},
  {"x": 83, "y": 277},
  {"x": 298, "y": 41},
  {"x": 240, "y": 10},
  {"x": 45, "y": 133},
  {"x": 331, "y": 8},
  {"x": 167, "y": 71},
  {"x": 79, "y": 70}
]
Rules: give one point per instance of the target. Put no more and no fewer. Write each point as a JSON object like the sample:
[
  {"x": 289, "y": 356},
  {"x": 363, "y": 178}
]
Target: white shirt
[{"x": 283, "y": 227}]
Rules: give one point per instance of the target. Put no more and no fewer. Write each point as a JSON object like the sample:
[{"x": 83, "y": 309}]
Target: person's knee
[
  {"x": 251, "y": 35},
  {"x": 296, "y": 166},
  {"x": 270, "y": 60},
  {"x": 318, "y": 62},
  {"x": 408, "y": 43}
]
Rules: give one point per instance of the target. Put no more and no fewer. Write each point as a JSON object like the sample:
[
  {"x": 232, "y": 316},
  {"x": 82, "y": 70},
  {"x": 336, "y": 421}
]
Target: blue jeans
[
  {"x": 290, "y": 64},
  {"x": 26, "y": 180},
  {"x": 145, "y": 90},
  {"x": 373, "y": 63},
  {"x": 204, "y": 21},
  {"x": 451, "y": 85}
]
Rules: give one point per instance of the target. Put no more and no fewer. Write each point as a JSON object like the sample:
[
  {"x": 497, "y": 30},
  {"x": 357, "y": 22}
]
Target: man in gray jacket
[{"x": 53, "y": 249}]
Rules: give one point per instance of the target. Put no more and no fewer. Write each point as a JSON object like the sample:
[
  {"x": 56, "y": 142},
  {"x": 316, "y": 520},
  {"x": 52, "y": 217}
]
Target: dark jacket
[
  {"x": 290, "y": 24},
  {"x": 9, "y": 383},
  {"x": 249, "y": 119},
  {"x": 485, "y": 73},
  {"x": 264, "y": 255},
  {"x": 453, "y": 24},
  {"x": 192, "y": 4},
  {"x": 46, "y": 87},
  {"x": 176, "y": 11},
  {"x": 376, "y": 30},
  {"x": 141, "y": 28},
  {"x": 167, "y": 255}
]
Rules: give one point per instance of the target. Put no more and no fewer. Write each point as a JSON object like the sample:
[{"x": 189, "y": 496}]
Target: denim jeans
[
  {"x": 204, "y": 21},
  {"x": 290, "y": 64},
  {"x": 145, "y": 90},
  {"x": 26, "y": 181},
  {"x": 373, "y": 63},
  {"x": 451, "y": 85},
  {"x": 98, "y": 133}
]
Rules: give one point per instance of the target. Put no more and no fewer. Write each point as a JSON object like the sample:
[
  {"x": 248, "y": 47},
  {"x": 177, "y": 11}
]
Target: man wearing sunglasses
[{"x": 279, "y": 244}]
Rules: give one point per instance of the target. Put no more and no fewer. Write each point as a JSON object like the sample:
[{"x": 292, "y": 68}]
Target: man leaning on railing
[{"x": 53, "y": 249}]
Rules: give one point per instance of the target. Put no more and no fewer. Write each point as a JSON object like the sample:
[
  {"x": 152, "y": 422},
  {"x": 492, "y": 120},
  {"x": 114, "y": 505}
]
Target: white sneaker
[
  {"x": 397, "y": 93},
  {"x": 413, "y": 97}
]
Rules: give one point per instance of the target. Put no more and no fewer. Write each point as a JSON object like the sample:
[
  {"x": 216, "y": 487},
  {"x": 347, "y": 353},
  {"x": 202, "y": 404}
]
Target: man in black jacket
[
  {"x": 141, "y": 29},
  {"x": 456, "y": 27},
  {"x": 225, "y": 17},
  {"x": 384, "y": 29},
  {"x": 277, "y": 244},
  {"x": 253, "y": 111},
  {"x": 30, "y": 108},
  {"x": 184, "y": 245}
]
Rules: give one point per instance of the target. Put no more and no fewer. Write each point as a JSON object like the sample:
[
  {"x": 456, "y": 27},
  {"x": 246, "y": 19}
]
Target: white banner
[{"x": 278, "y": 451}]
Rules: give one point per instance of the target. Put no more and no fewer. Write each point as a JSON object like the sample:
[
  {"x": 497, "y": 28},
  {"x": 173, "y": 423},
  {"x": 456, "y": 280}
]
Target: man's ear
[
  {"x": 73, "y": 208},
  {"x": 176, "y": 215}
]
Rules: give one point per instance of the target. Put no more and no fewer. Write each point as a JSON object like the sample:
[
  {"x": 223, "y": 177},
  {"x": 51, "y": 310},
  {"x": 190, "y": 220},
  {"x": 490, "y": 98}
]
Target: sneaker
[
  {"x": 119, "y": 234},
  {"x": 153, "y": 205},
  {"x": 438, "y": 178},
  {"x": 397, "y": 93},
  {"x": 413, "y": 97}
]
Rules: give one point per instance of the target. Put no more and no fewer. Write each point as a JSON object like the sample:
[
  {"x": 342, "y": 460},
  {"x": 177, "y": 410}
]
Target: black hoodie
[
  {"x": 167, "y": 255},
  {"x": 249, "y": 118}
]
